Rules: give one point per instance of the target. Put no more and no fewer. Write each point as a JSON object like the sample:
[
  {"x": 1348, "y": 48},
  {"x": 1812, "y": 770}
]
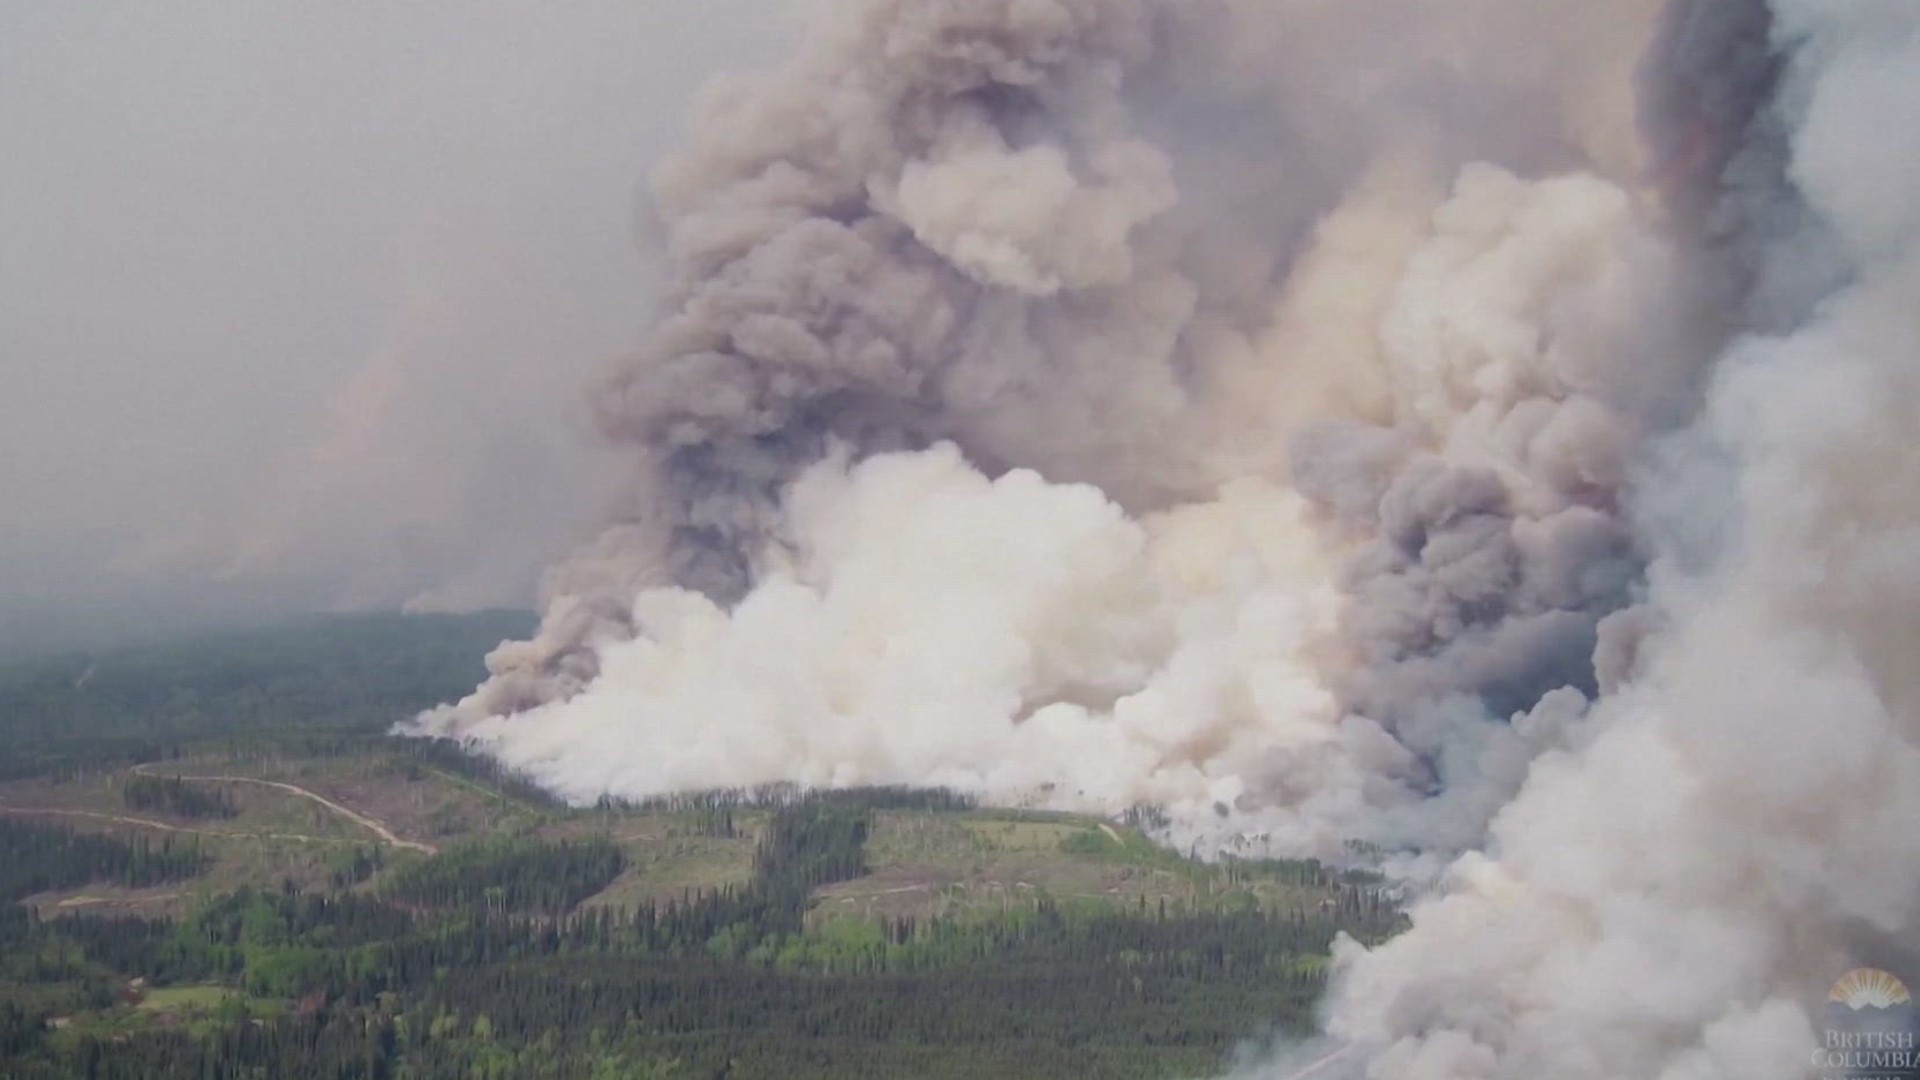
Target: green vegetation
[
  {"x": 725, "y": 982},
  {"x": 330, "y": 675},
  {"x": 175, "y": 999},
  {"x": 176, "y": 796},
  {"x": 39, "y": 858},
  {"x": 486, "y": 930},
  {"x": 533, "y": 876}
]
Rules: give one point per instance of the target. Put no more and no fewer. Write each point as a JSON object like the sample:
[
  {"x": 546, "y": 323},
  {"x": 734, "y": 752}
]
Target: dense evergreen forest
[
  {"x": 172, "y": 795},
  {"x": 729, "y": 982},
  {"x": 518, "y": 875},
  {"x": 37, "y": 858},
  {"x": 483, "y": 958},
  {"x": 343, "y": 674}
]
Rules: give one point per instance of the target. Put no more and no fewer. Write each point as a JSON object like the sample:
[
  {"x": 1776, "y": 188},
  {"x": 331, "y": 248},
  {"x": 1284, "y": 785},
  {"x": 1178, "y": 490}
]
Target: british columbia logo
[{"x": 1871, "y": 1029}]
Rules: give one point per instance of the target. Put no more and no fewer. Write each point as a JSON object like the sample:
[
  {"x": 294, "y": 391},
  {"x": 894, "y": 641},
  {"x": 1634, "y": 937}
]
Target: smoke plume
[
  {"x": 1475, "y": 428},
  {"x": 1670, "y": 893}
]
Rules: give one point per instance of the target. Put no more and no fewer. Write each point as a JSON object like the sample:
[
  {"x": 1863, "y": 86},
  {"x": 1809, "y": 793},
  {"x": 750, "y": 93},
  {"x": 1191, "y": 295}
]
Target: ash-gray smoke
[
  {"x": 1460, "y": 594},
  {"x": 1471, "y": 592},
  {"x": 1084, "y": 237},
  {"x": 1673, "y": 894},
  {"x": 833, "y": 280},
  {"x": 1480, "y": 428},
  {"x": 1723, "y": 155}
]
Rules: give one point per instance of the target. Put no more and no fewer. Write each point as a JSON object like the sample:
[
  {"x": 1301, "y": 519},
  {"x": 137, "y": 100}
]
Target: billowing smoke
[
  {"x": 1113, "y": 401},
  {"x": 1670, "y": 893},
  {"x": 1473, "y": 428}
]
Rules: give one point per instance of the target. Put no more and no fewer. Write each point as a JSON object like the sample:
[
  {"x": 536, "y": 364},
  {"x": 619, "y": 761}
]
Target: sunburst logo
[{"x": 1869, "y": 988}]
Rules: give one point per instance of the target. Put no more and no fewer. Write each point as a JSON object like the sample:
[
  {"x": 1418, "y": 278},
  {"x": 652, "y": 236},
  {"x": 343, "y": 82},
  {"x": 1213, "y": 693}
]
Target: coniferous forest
[
  {"x": 512, "y": 952},
  {"x": 174, "y": 795}
]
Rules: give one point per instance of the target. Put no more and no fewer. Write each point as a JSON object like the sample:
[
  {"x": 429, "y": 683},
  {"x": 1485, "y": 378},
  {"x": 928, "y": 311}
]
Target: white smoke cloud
[
  {"x": 931, "y": 625},
  {"x": 1670, "y": 897},
  {"x": 1326, "y": 432},
  {"x": 914, "y": 621}
]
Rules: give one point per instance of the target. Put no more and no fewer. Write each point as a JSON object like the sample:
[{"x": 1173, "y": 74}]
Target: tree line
[
  {"x": 44, "y": 858},
  {"x": 344, "y": 674},
  {"x": 521, "y": 875},
  {"x": 423, "y": 982},
  {"x": 173, "y": 795}
]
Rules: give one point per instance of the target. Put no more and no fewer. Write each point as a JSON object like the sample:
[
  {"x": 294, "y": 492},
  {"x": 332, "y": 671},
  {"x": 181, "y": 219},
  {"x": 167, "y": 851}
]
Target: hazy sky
[{"x": 296, "y": 299}]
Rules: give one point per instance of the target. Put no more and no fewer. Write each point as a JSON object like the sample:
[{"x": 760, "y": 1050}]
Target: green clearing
[
  {"x": 186, "y": 998},
  {"x": 442, "y": 919}
]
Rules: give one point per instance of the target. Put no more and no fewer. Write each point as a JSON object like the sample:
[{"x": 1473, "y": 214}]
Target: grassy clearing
[
  {"x": 280, "y": 836},
  {"x": 102, "y": 899},
  {"x": 666, "y": 868},
  {"x": 921, "y": 863},
  {"x": 984, "y": 862},
  {"x": 186, "y": 998},
  {"x": 1023, "y": 837}
]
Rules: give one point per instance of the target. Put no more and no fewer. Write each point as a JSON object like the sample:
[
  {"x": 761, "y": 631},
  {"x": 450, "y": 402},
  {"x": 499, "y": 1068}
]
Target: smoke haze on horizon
[{"x": 290, "y": 295}]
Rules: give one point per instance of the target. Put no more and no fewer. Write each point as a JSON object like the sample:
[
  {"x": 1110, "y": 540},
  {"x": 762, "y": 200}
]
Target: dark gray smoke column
[
  {"x": 1493, "y": 587},
  {"x": 1672, "y": 894},
  {"x": 854, "y": 238},
  {"x": 1080, "y": 237}
]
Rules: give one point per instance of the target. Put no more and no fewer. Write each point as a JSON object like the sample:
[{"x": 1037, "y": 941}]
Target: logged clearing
[{"x": 299, "y": 818}]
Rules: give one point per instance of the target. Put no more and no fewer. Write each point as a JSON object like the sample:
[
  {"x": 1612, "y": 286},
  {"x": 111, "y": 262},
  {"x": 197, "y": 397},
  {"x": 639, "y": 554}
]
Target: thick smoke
[
  {"x": 1473, "y": 428},
  {"x": 1669, "y": 895},
  {"x": 1347, "y": 343}
]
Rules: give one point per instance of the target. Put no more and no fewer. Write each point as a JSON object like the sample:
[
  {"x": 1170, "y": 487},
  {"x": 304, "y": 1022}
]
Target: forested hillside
[
  {"x": 339, "y": 674},
  {"x": 278, "y": 892}
]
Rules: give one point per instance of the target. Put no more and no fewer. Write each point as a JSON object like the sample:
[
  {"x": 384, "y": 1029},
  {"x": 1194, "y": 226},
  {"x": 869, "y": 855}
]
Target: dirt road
[
  {"x": 370, "y": 824},
  {"x": 161, "y": 826}
]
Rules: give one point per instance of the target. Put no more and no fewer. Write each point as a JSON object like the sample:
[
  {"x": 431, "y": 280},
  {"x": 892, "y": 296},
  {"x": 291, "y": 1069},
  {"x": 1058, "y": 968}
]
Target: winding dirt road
[
  {"x": 373, "y": 825},
  {"x": 370, "y": 824},
  {"x": 161, "y": 826}
]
